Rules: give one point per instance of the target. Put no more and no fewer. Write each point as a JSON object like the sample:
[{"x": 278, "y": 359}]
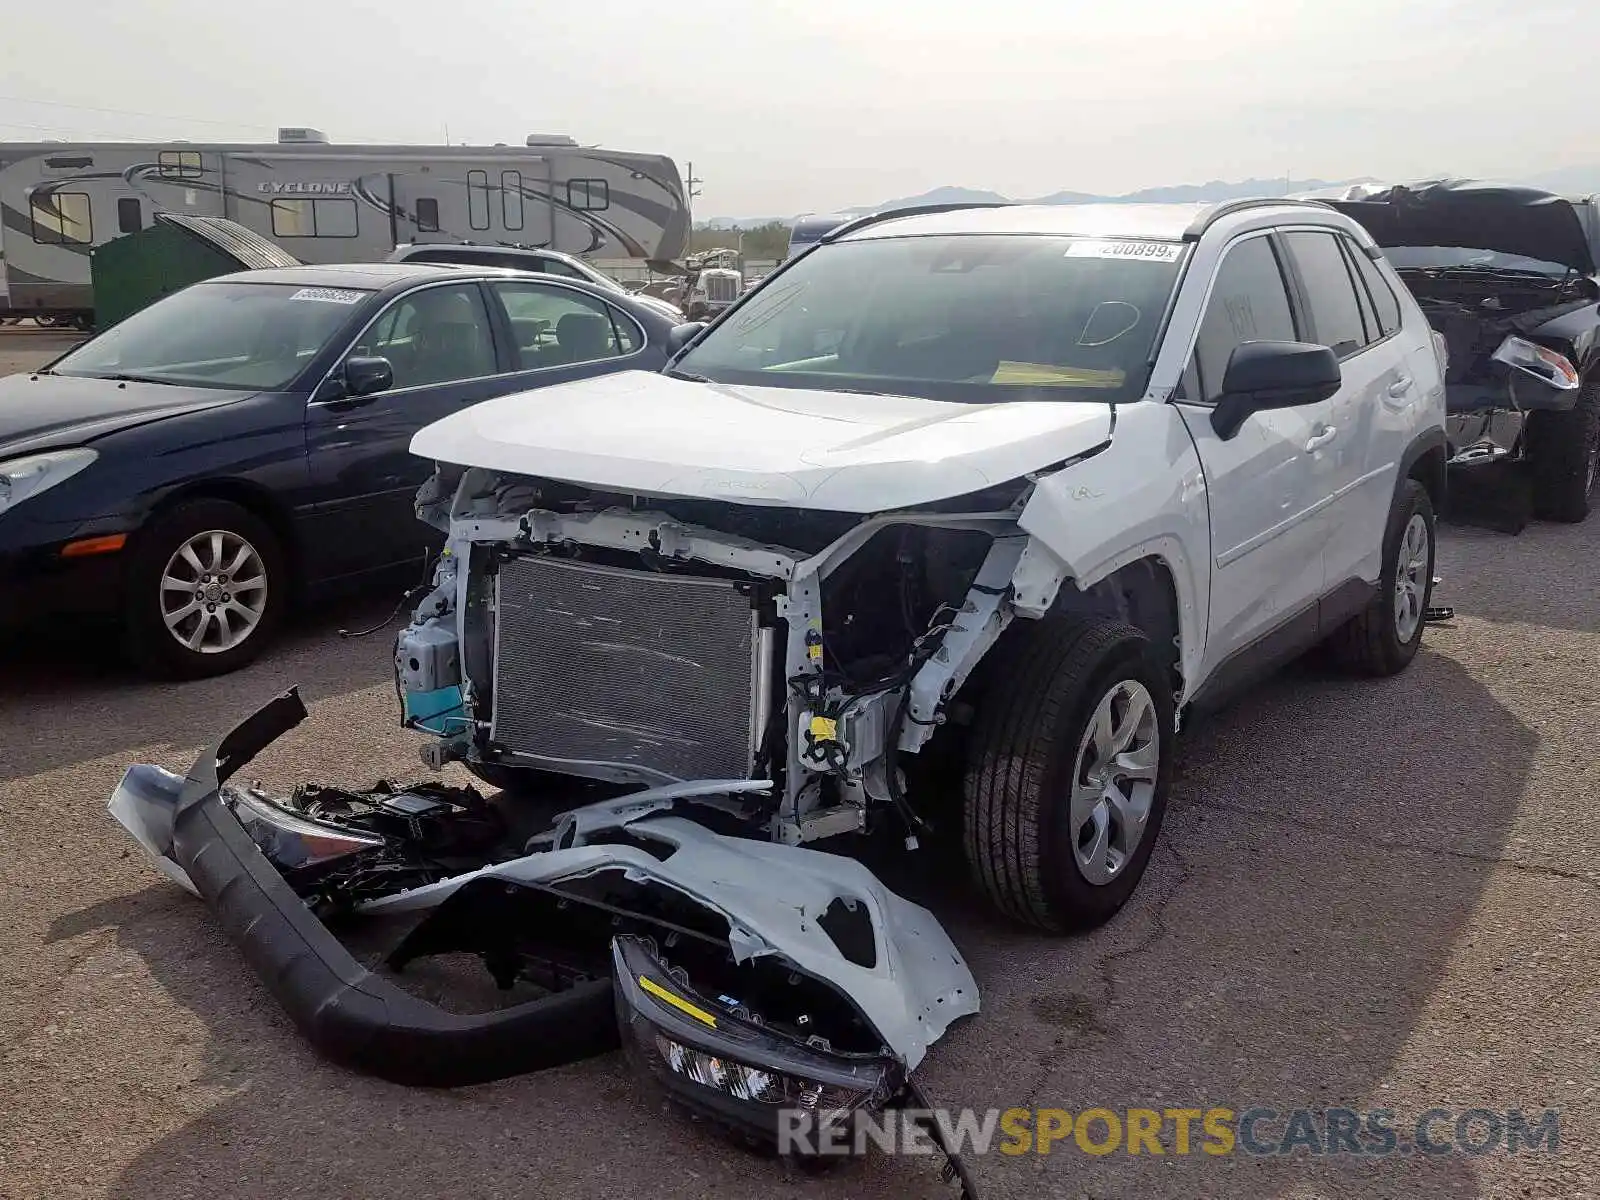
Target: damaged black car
[{"x": 1507, "y": 276}]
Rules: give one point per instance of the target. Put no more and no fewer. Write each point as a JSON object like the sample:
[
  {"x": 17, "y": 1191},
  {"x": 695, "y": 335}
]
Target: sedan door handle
[
  {"x": 1322, "y": 438},
  {"x": 1400, "y": 387}
]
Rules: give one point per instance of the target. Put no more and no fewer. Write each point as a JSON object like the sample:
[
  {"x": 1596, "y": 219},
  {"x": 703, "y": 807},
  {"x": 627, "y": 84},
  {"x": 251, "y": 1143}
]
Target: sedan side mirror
[
  {"x": 365, "y": 376},
  {"x": 1269, "y": 375},
  {"x": 680, "y": 336}
]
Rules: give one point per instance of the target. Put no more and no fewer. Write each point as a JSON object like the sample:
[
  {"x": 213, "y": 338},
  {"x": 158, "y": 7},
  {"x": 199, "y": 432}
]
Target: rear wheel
[
  {"x": 206, "y": 586},
  {"x": 1385, "y": 637},
  {"x": 1067, "y": 779},
  {"x": 1564, "y": 457}
]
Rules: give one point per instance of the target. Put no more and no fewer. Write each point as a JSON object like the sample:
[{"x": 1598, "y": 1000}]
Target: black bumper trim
[{"x": 349, "y": 1014}]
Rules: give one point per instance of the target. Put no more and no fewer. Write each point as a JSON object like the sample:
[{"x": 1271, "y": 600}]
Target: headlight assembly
[
  {"x": 1545, "y": 365},
  {"x": 23, "y": 478}
]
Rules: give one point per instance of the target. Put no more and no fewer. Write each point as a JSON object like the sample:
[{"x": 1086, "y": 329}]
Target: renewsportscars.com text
[{"x": 1257, "y": 1131}]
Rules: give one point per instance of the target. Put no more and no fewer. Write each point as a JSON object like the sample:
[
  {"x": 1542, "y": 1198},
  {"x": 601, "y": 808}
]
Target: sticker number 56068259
[{"x": 1163, "y": 252}]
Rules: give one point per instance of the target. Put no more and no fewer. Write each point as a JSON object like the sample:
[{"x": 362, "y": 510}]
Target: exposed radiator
[{"x": 597, "y": 665}]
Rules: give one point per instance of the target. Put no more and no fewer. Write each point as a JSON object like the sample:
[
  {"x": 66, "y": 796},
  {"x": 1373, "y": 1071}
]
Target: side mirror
[
  {"x": 365, "y": 376},
  {"x": 680, "y": 336},
  {"x": 1269, "y": 375}
]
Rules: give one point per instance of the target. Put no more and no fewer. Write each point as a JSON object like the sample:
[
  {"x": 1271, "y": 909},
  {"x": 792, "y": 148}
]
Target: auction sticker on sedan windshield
[
  {"x": 328, "y": 295},
  {"x": 1162, "y": 252}
]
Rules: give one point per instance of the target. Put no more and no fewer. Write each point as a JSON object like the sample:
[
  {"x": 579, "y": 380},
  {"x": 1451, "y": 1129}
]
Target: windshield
[
  {"x": 1419, "y": 257},
  {"x": 978, "y": 318},
  {"x": 250, "y": 336}
]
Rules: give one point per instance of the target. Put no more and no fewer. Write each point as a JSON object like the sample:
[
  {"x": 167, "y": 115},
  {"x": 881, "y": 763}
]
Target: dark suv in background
[{"x": 1508, "y": 276}]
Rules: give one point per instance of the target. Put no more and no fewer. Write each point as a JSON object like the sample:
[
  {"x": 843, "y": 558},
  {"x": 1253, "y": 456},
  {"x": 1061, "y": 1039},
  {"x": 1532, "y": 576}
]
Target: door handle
[
  {"x": 1321, "y": 438},
  {"x": 1400, "y": 387}
]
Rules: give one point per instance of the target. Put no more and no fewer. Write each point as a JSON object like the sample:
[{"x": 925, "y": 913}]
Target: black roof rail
[
  {"x": 914, "y": 210},
  {"x": 1210, "y": 216}
]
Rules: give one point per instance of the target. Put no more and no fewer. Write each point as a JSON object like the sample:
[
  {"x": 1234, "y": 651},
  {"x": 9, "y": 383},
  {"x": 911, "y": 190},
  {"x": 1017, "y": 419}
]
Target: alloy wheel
[
  {"x": 213, "y": 591},
  {"x": 1114, "y": 781}
]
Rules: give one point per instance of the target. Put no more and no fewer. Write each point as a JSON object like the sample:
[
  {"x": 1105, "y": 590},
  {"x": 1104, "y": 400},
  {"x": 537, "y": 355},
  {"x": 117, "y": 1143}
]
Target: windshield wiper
[
  {"x": 129, "y": 378},
  {"x": 690, "y": 376}
]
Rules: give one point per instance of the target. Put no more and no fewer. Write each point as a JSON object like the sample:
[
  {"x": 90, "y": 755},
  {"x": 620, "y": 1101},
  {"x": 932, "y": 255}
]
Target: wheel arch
[
  {"x": 255, "y": 499},
  {"x": 1425, "y": 461}
]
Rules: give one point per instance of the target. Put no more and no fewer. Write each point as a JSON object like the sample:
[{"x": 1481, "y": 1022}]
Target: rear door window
[
  {"x": 555, "y": 326},
  {"x": 1330, "y": 291}
]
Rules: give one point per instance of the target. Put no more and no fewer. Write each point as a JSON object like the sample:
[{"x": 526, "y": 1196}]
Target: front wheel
[
  {"x": 206, "y": 586},
  {"x": 1564, "y": 457},
  {"x": 1068, "y": 773}
]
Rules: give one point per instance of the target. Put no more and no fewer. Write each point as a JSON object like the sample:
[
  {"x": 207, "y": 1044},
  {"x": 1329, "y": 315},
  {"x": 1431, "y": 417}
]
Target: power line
[{"x": 130, "y": 112}]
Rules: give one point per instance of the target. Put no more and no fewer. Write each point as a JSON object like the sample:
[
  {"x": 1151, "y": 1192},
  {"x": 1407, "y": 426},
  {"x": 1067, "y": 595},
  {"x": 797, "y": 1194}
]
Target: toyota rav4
[{"x": 1005, "y": 489}]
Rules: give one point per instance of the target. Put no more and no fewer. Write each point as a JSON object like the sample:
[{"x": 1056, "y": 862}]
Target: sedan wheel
[
  {"x": 214, "y": 591},
  {"x": 205, "y": 586}
]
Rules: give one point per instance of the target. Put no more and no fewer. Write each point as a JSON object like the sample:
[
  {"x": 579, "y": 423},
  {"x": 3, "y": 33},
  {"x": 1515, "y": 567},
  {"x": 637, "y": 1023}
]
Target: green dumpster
[{"x": 174, "y": 251}]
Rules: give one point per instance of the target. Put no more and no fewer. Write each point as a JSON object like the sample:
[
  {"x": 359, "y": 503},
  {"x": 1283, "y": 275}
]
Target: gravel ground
[{"x": 1378, "y": 895}]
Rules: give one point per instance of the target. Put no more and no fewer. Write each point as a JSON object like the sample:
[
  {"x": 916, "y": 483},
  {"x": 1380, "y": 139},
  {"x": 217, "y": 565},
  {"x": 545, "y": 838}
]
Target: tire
[
  {"x": 1033, "y": 740},
  {"x": 1564, "y": 457},
  {"x": 200, "y": 525},
  {"x": 1384, "y": 638}
]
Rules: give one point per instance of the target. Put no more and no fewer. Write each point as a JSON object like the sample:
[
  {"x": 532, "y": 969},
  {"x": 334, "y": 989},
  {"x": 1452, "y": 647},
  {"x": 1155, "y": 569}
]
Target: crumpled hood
[
  {"x": 41, "y": 412},
  {"x": 1482, "y": 216},
  {"x": 650, "y": 433}
]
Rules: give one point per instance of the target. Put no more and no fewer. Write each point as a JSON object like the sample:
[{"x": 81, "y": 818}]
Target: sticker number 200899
[{"x": 1163, "y": 252}]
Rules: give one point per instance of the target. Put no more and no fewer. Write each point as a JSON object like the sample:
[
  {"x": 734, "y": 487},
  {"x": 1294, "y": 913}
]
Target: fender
[
  {"x": 1435, "y": 479},
  {"x": 1089, "y": 519}
]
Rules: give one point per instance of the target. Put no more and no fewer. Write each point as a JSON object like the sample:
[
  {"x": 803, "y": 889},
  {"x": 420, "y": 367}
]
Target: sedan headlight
[
  {"x": 22, "y": 478},
  {"x": 291, "y": 841}
]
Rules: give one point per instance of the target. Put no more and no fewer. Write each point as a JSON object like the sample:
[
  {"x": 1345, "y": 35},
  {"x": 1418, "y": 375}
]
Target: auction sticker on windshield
[
  {"x": 1162, "y": 252},
  {"x": 328, "y": 295}
]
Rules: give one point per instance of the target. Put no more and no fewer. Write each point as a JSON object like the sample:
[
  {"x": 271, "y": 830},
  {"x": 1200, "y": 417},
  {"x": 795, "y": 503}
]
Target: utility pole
[{"x": 691, "y": 190}]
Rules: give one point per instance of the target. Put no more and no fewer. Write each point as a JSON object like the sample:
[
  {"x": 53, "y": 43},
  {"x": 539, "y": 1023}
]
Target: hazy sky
[{"x": 785, "y": 108}]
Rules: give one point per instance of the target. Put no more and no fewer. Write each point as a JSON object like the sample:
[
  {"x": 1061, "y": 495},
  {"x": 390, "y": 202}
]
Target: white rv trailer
[{"x": 327, "y": 203}]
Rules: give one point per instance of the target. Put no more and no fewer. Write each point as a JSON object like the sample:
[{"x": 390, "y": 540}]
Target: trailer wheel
[
  {"x": 1067, "y": 779},
  {"x": 1564, "y": 457}
]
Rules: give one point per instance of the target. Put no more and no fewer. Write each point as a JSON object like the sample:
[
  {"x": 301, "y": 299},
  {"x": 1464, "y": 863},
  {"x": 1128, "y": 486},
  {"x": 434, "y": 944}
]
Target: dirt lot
[{"x": 1377, "y": 895}]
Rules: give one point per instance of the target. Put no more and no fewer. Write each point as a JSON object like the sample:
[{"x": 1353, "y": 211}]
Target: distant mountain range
[{"x": 1572, "y": 180}]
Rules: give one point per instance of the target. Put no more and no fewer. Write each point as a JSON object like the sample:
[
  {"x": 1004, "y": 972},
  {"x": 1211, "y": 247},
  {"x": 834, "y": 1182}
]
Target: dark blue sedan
[{"x": 243, "y": 444}]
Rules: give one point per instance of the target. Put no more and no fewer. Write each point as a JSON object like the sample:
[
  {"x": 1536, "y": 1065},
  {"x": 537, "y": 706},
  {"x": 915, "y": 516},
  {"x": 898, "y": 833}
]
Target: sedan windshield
[
  {"x": 980, "y": 318},
  {"x": 249, "y": 336}
]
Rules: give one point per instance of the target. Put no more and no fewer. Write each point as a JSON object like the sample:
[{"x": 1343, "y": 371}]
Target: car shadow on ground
[
  {"x": 1320, "y": 857},
  {"x": 81, "y": 670}
]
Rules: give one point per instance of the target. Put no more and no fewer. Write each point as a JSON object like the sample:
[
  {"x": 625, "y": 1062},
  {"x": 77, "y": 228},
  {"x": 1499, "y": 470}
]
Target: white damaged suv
[
  {"x": 945, "y": 525},
  {"x": 1032, "y": 480}
]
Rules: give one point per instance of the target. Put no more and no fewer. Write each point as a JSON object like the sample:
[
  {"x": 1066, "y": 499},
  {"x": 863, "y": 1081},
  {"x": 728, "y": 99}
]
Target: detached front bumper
[
  {"x": 869, "y": 958},
  {"x": 348, "y": 1013}
]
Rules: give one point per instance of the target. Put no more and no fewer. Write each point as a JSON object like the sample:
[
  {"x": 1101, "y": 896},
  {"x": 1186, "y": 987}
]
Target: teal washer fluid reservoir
[{"x": 442, "y": 711}]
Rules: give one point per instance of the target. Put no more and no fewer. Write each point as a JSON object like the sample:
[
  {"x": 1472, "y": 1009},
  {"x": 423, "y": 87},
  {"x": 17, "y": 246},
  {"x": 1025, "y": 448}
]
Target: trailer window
[
  {"x": 588, "y": 195},
  {"x": 478, "y": 199},
  {"x": 61, "y": 219},
  {"x": 130, "y": 216},
  {"x": 333, "y": 218},
  {"x": 511, "y": 198},
  {"x": 427, "y": 215},
  {"x": 179, "y": 164}
]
